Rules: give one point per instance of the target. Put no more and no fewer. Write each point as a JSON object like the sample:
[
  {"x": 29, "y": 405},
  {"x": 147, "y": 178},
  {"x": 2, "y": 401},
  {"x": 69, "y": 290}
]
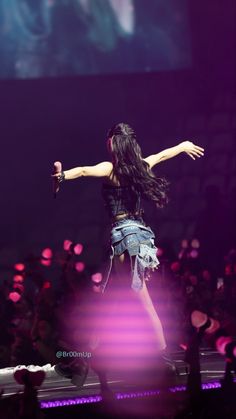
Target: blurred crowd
[
  {"x": 34, "y": 310},
  {"x": 190, "y": 284}
]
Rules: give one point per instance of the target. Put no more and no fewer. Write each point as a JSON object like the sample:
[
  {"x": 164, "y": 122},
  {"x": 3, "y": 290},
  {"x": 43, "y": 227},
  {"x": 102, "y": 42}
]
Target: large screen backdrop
[{"x": 44, "y": 38}]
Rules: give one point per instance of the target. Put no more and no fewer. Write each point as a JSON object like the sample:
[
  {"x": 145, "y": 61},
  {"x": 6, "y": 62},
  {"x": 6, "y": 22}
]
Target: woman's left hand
[{"x": 192, "y": 149}]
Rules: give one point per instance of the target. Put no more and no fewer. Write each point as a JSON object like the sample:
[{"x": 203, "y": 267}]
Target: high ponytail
[{"x": 130, "y": 168}]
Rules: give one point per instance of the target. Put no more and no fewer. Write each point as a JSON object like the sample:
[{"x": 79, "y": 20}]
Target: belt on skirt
[{"x": 138, "y": 239}]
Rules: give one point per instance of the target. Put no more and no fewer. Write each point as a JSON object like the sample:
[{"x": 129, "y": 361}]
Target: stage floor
[{"x": 58, "y": 388}]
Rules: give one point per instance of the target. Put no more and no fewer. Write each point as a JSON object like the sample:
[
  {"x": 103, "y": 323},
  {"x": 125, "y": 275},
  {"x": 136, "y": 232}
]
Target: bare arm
[
  {"x": 185, "y": 147},
  {"x": 99, "y": 170}
]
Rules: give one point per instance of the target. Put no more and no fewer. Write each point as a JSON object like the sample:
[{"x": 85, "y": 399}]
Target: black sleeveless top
[{"x": 121, "y": 200}]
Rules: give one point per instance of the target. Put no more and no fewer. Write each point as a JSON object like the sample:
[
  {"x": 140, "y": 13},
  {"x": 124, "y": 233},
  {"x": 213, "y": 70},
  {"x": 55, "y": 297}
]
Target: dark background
[{"x": 67, "y": 119}]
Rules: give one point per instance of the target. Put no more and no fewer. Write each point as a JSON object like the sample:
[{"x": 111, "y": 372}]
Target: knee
[{"x": 121, "y": 258}]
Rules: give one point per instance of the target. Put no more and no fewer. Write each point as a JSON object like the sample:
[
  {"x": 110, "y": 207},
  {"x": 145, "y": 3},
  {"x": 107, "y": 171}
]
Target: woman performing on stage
[{"x": 127, "y": 179}]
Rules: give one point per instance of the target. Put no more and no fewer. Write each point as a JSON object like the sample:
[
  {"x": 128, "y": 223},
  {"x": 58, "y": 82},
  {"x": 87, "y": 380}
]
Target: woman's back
[{"x": 121, "y": 200}]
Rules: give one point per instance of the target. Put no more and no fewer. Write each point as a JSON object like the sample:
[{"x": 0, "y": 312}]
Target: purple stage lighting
[{"x": 122, "y": 396}]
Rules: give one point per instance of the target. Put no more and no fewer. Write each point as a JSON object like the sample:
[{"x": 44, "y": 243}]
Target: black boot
[
  {"x": 76, "y": 371},
  {"x": 168, "y": 362}
]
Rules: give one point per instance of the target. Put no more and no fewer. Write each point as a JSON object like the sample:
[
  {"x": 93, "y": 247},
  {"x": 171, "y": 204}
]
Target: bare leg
[
  {"x": 145, "y": 299},
  {"x": 143, "y": 296}
]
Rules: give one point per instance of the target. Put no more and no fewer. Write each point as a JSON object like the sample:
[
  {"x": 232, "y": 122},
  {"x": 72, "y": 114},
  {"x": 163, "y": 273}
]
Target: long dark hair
[{"x": 130, "y": 168}]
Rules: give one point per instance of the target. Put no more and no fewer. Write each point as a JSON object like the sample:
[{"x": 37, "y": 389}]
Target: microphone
[{"x": 57, "y": 168}]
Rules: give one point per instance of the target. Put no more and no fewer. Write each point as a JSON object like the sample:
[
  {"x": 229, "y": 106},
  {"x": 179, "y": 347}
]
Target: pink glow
[
  {"x": 78, "y": 249},
  {"x": 96, "y": 288},
  {"x": 228, "y": 270},
  {"x": 18, "y": 278},
  {"x": 120, "y": 332},
  {"x": 19, "y": 267},
  {"x": 47, "y": 253},
  {"x": 14, "y": 296},
  {"x": 195, "y": 244},
  {"x": 194, "y": 254},
  {"x": 47, "y": 285},
  {"x": 184, "y": 244},
  {"x": 198, "y": 318},
  {"x": 221, "y": 344},
  {"x": 183, "y": 346},
  {"x": 46, "y": 262},
  {"x": 97, "y": 277},
  {"x": 160, "y": 252},
  {"x": 79, "y": 266},
  {"x": 67, "y": 244},
  {"x": 175, "y": 266}
]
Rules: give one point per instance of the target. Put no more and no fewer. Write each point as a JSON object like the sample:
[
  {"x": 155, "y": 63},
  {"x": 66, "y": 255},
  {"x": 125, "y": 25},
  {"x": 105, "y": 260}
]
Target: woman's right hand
[{"x": 56, "y": 175}]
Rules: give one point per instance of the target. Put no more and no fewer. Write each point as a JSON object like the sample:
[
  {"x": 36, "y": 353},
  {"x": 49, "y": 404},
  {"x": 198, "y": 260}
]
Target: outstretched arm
[
  {"x": 185, "y": 147},
  {"x": 99, "y": 170}
]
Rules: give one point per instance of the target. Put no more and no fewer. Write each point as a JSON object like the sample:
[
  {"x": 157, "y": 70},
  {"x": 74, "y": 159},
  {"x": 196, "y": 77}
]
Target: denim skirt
[{"x": 133, "y": 236}]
